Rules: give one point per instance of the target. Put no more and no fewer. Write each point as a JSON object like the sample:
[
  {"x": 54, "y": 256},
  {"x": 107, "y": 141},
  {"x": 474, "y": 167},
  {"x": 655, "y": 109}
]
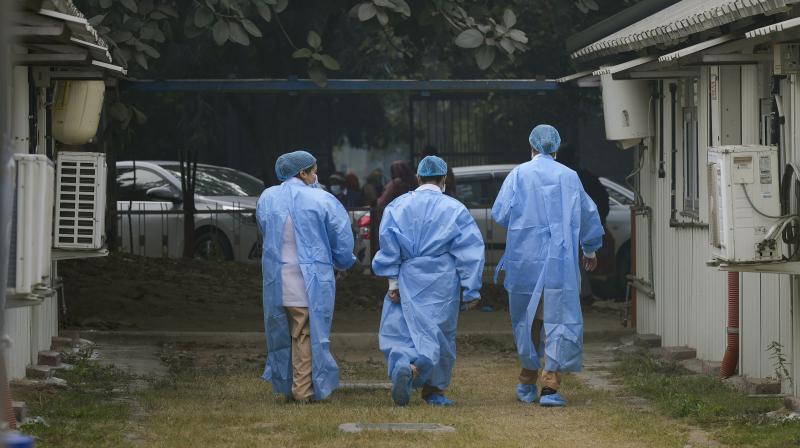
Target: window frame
[{"x": 691, "y": 148}]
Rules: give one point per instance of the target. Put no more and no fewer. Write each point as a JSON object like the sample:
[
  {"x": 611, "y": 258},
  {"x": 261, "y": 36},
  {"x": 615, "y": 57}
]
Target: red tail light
[{"x": 363, "y": 226}]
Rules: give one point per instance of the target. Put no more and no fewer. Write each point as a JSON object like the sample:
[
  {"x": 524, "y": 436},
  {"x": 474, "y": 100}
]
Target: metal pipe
[
  {"x": 661, "y": 172},
  {"x": 673, "y": 93}
]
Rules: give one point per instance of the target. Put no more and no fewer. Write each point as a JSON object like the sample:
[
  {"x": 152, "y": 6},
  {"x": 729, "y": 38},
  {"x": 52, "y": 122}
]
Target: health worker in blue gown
[
  {"x": 306, "y": 236},
  {"x": 550, "y": 219},
  {"x": 430, "y": 249}
]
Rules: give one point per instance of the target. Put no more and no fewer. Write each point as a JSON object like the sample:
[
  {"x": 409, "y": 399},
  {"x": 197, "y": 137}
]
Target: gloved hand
[{"x": 394, "y": 295}]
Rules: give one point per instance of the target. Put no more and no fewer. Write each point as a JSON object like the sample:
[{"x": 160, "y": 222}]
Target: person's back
[
  {"x": 436, "y": 222},
  {"x": 549, "y": 217},
  {"x": 546, "y": 188},
  {"x": 431, "y": 248},
  {"x": 312, "y": 210},
  {"x": 306, "y": 235}
]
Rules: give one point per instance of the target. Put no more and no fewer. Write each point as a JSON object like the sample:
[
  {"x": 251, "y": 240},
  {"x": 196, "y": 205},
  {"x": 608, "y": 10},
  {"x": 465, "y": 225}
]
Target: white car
[
  {"x": 150, "y": 211},
  {"x": 478, "y": 186}
]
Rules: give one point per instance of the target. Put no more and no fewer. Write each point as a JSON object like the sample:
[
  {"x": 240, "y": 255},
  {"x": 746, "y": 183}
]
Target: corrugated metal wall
[
  {"x": 18, "y": 328},
  {"x": 690, "y": 304},
  {"x": 30, "y": 328}
]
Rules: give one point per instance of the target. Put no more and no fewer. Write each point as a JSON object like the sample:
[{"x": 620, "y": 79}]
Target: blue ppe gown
[
  {"x": 324, "y": 243},
  {"x": 549, "y": 217},
  {"x": 431, "y": 244}
]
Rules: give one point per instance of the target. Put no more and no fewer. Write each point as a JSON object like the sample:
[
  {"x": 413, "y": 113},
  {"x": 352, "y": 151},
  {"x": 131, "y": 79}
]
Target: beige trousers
[
  {"x": 546, "y": 378},
  {"x": 302, "y": 388}
]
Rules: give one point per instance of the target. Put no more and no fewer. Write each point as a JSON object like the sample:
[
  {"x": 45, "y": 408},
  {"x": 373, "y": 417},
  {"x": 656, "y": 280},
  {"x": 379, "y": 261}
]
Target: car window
[
  {"x": 220, "y": 181},
  {"x": 144, "y": 180},
  {"x": 618, "y": 197},
  {"x": 476, "y": 191}
]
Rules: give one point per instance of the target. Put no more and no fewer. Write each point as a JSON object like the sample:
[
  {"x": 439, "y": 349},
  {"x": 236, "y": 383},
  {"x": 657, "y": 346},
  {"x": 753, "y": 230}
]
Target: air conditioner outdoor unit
[
  {"x": 31, "y": 234},
  {"x": 80, "y": 201},
  {"x": 744, "y": 203}
]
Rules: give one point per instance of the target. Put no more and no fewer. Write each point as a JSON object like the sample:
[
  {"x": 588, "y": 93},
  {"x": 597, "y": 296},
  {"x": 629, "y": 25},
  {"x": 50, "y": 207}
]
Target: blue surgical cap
[
  {"x": 545, "y": 139},
  {"x": 290, "y": 164},
  {"x": 432, "y": 166}
]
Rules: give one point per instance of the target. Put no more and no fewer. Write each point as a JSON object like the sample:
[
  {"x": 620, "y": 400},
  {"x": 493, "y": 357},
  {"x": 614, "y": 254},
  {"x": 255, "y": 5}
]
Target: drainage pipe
[{"x": 731, "y": 358}]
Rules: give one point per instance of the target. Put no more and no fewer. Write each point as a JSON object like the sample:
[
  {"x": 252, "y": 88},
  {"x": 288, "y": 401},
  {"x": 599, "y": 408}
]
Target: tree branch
[{"x": 280, "y": 24}]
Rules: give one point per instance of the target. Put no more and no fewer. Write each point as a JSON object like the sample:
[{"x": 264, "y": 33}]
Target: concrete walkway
[{"x": 138, "y": 351}]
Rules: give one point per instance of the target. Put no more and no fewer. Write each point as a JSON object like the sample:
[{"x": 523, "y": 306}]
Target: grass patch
[
  {"x": 729, "y": 415},
  {"x": 91, "y": 411},
  {"x": 205, "y": 408}
]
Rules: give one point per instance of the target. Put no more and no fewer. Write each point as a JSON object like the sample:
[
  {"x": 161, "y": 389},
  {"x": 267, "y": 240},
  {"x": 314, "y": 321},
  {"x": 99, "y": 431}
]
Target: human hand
[
  {"x": 472, "y": 305},
  {"x": 589, "y": 264},
  {"x": 394, "y": 295}
]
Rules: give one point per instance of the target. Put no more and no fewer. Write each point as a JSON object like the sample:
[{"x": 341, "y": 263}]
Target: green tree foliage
[{"x": 403, "y": 31}]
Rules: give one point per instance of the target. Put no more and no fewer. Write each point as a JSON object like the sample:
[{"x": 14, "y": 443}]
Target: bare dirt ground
[{"x": 124, "y": 292}]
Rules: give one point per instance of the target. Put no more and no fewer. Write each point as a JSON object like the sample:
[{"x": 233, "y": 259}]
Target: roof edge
[{"x": 618, "y": 21}]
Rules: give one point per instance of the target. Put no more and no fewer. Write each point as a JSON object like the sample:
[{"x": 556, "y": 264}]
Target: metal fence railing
[{"x": 156, "y": 229}]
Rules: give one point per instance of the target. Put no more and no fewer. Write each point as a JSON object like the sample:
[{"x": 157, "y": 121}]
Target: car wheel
[
  {"x": 211, "y": 244},
  {"x": 623, "y": 268}
]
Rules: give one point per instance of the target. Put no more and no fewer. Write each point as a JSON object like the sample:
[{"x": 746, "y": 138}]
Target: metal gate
[{"x": 454, "y": 125}]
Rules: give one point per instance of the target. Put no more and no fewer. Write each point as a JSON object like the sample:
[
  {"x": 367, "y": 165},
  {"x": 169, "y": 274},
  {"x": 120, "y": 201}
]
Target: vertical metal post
[{"x": 6, "y": 186}]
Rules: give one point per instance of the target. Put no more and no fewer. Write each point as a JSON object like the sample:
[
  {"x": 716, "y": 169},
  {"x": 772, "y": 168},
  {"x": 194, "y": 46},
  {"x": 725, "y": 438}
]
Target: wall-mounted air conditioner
[
  {"x": 744, "y": 203},
  {"x": 31, "y": 234},
  {"x": 80, "y": 201}
]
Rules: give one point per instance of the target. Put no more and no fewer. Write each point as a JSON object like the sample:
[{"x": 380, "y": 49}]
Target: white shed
[
  {"x": 56, "y": 86},
  {"x": 704, "y": 74}
]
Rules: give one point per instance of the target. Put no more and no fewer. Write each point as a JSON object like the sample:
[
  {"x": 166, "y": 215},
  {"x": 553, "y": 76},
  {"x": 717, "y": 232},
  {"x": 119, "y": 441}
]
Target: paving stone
[
  {"x": 61, "y": 343},
  {"x": 630, "y": 349},
  {"x": 20, "y": 411},
  {"x": 38, "y": 372},
  {"x": 648, "y": 340},
  {"x": 366, "y": 385},
  {"x": 762, "y": 386},
  {"x": 693, "y": 365},
  {"x": 792, "y": 403},
  {"x": 396, "y": 427},
  {"x": 63, "y": 366},
  {"x": 711, "y": 368},
  {"x": 677, "y": 353},
  {"x": 49, "y": 358}
]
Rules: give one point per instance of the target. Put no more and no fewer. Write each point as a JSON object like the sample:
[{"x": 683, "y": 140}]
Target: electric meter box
[{"x": 744, "y": 203}]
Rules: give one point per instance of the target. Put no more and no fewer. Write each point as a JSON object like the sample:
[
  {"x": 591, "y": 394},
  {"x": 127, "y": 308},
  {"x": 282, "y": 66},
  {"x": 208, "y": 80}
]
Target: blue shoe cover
[
  {"x": 438, "y": 400},
  {"x": 526, "y": 393},
  {"x": 401, "y": 384},
  {"x": 552, "y": 400}
]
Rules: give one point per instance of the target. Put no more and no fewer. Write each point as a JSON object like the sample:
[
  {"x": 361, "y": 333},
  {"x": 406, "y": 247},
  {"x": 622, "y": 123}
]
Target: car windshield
[{"x": 218, "y": 181}]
